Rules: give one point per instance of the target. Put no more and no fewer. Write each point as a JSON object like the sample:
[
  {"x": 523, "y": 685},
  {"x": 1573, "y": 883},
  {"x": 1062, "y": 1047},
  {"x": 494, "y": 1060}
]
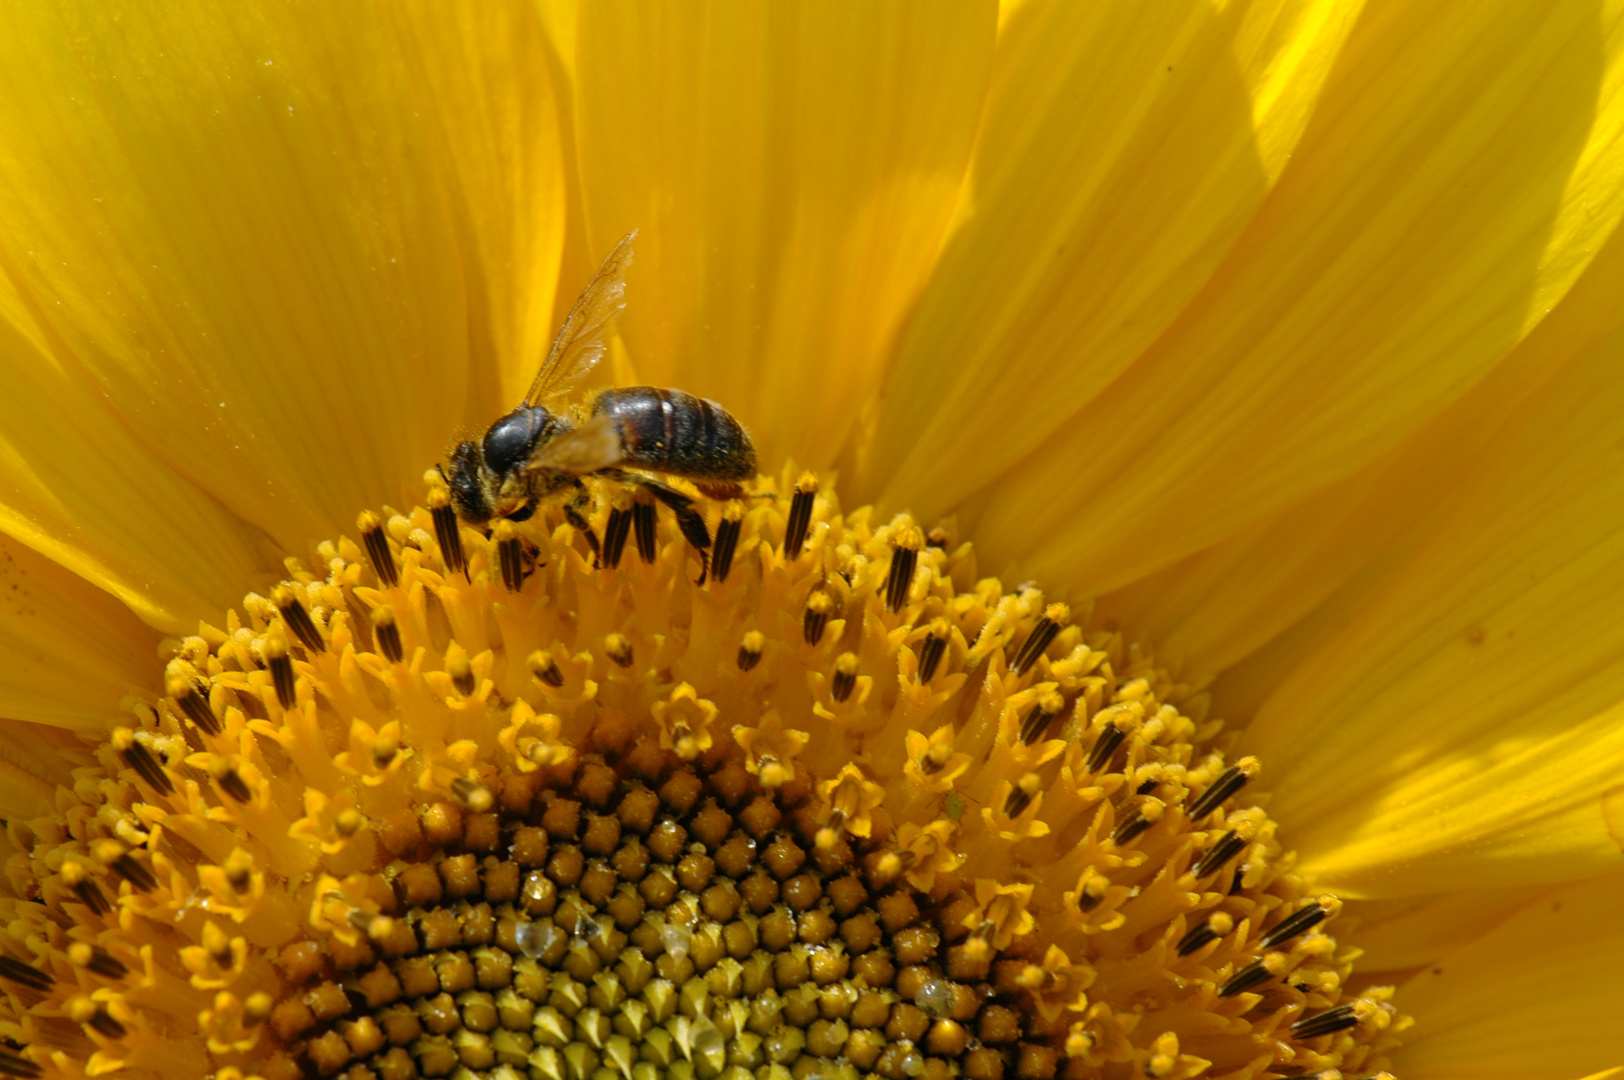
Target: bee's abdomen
[{"x": 673, "y": 431}]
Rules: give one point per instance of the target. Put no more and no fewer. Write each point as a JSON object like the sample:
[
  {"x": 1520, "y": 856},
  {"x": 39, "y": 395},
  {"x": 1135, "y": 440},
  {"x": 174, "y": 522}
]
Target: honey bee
[{"x": 542, "y": 447}]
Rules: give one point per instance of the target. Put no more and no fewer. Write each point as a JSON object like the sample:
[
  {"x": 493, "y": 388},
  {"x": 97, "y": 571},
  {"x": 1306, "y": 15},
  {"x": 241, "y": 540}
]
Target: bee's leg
[
  {"x": 575, "y": 512},
  {"x": 689, "y": 520},
  {"x": 525, "y": 512}
]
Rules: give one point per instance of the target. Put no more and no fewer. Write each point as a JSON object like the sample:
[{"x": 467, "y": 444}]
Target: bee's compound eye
[{"x": 510, "y": 440}]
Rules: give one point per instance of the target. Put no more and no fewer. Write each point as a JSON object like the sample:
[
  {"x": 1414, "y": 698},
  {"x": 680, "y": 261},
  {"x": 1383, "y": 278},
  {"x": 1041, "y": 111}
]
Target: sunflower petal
[
  {"x": 1534, "y": 999},
  {"x": 1125, "y": 147},
  {"x": 1458, "y": 729},
  {"x": 238, "y": 223},
  {"x": 1461, "y": 171},
  {"x": 69, "y": 652},
  {"x": 793, "y": 169},
  {"x": 34, "y": 760}
]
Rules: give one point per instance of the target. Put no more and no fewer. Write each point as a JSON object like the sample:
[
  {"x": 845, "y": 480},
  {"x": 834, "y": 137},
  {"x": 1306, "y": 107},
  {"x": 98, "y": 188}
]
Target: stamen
[
  {"x": 1254, "y": 974},
  {"x": 750, "y": 649},
  {"x": 932, "y": 649},
  {"x": 1328, "y": 1022},
  {"x": 509, "y": 554},
  {"x": 12, "y": 1065},
  {"x": 545, "y": 669},
  {"x": 387, "y": 633},
  {"x": 1301, "y": 921},
  {"x": 460, "y": 669},
  {"x": 615, "y": 532},
  {"x": 225, "y": 774},
  {"x": 281, "y": 665},
  {"x": 845, "y": 679},
  {"x": 142, "y": 761},
  {"x": 83, "y": 1010},
  {"x": 904, "y": 557},
  {"x": 447, "y": 531},
  {"x": 643, "y": 523},
  {"x": 1137, "y": 822},
  {"x": 1048, "y": 625},
  {"x": 96, "y": 959},
  {"x": 816, "y": 616},
  {"x": 1233, "y": 779},
  {"x": 618, "y": 647},
  {"x": 1038, "y": 718},
  {"x": 25, "y": 974},
  {"x": 114, "y": 856},
  {"x": 473, "y": 796},
  {"x": 193, "y": 704},
  {"x": 800, "y": 514},
  {"x": 85, "y": 888},
  {"x": 1105, "y": 746},
  {"x": 297, "y": 619},
  {"x": 1229, "y": 845},
  {"x": 376, "y": 543},
  {"x": 1209, "y": 930},
  {"x": 727, "y": 540}
]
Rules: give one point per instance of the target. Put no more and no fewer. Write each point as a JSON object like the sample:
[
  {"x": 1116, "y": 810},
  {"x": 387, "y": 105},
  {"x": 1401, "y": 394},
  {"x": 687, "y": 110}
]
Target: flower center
[{"x": 450, "y": 804}]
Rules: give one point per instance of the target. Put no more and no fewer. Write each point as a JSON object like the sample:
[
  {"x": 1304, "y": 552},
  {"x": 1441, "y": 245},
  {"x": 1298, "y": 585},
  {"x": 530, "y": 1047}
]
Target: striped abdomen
[{"x": 675, "y": 432}]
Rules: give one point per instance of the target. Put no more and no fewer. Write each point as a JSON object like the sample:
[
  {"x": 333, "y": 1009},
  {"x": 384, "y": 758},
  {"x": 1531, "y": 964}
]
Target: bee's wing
[{"x": 580, "y": 341}]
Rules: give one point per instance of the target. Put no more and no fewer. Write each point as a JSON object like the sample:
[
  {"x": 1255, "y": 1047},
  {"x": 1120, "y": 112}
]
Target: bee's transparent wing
[{"x": 580, "y": 341}]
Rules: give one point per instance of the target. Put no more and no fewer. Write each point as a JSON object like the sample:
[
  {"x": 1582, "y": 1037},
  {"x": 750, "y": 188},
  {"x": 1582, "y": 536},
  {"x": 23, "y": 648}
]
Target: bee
[{"x": 542, "y": 448}]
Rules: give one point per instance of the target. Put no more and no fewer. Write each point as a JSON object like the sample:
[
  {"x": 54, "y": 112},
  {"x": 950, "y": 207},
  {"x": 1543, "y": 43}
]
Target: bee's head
[{"x": 467, "y": 492}]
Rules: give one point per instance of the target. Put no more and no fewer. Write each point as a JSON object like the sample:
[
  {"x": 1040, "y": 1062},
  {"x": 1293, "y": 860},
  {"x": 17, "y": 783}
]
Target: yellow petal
[
  {"x": 1407, "y": 934},
  {"x": 793, "y": 169},
  {"x": 240, "y": 224},
  {"x": 34, "y": 761},
  {"x": 1461, "y": 170},
  {"x": 77, "y": 485},
  {"x": 69, "y": 652},
  {"x": 1459, "y": 727},
  {"x": 1125, "y": 147},
  {"x": 1536, "y": 999}
]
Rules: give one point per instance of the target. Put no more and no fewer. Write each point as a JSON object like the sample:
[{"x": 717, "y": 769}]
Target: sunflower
[{"x": 1174, "y": 632}]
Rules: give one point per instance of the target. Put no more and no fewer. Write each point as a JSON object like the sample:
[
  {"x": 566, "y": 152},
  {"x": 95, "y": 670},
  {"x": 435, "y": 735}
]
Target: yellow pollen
[{"x": 450, "y": 803}]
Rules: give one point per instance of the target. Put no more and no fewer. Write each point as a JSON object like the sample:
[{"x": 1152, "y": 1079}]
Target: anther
[
  {"x": 1091, "y": 892},
  {"x": 447, "y": 531},
  {"x": 384, "y": 750},
  {"x": 83, "y": 1010},
  {"x": 727, "y": 541},
  {"x": 460, "y": 670},
  {"x": 12, "y": 1065},
  {"x": 1252, "y": 975},
  {"x": 643, "y": 528},
  {"x": 845, "y": 680},
  {"x": 509, "y": 555},
  {"x": 22, "y": 974},
  {"x": 193, "y": 704},
  {"x": 1134, "y": 825},
  {"x": 816, "y": 617},
  {"x": 545, "y": 669},
  {"x": 1233, "y": 779},
  {"x": 473, "y": 795},
  {"x": 1328, "y": 1022},
  {"x": 1210, "y": 929},
  {"x": 386, "y": 633},
  {"x": 281, "y": 664},
  {"x": 1048, "y": 625},
  {"x": 377, "y": 547},
  {"x": 1038, "y": 718},
  {"x": 618, "y": 647},
  {"x": 750, "y": 649},
  {"x": 932, "y": 649},
  {"x": 142, "y": 761},
  {"x": 1229, "y": 845},
  {"x": 230, "y": 781},
  {"x": 800, "y": 514},
  {"x": 1022, "y": 793},
  {"x": 898, "y": 579},
  {"x": 938, "y": 538},
  {"x": 1301, "y": 921},
  {"x": 1105, "y": 745},
  {"x": 615, "y": 532},
  {"x": 85, "y": 888},
  {"x": 98, "y": 960},
  {"x": 297, "y": 619},
  {"x": 111, "y": 854}
]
